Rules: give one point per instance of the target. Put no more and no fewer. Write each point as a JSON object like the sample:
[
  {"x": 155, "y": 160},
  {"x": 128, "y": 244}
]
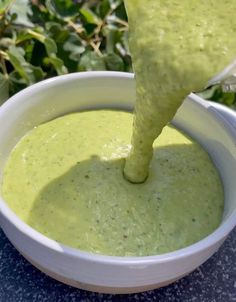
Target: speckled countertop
[{"x": 214, "y": 281}]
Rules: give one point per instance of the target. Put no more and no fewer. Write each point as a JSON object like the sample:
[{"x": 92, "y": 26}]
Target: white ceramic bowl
[{"x": 207, "y": 123}]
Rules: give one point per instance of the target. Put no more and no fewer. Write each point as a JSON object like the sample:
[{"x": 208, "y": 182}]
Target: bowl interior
[{"x": 56, "y": 97}]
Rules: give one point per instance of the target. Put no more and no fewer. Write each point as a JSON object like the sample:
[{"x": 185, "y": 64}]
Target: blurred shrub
[{"x": 41, "y": 39}]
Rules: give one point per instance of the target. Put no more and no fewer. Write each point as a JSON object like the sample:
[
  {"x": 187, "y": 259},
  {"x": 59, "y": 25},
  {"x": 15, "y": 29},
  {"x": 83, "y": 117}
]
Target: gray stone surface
[{"x": 214, "y": 281}]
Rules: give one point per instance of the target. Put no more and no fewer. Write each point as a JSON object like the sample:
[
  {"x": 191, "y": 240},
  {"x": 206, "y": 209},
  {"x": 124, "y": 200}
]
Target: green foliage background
[{"x": 41, "y": 39}]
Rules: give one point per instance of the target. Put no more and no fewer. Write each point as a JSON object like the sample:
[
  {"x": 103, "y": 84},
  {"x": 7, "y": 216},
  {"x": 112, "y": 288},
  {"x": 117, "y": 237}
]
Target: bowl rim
[{"x": 219, "y": 234}]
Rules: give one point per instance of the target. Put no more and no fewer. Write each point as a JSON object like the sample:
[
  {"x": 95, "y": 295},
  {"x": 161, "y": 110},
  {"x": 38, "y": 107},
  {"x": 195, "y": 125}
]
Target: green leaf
[
  {"x": 16, "y": 82},
  {"x": 114, "y": 62},
  {"x": 4, "y": 88},
  {"x": 51, "y": 49},
  {"x": 28, "y": 72},
  {"x": 229, "y": 98},
  {"x": 57, "y": 63},
  {"x": 57, "y": 32},
  {"x": 6, "y": 42},
  {"x": 49, "y": 44},
  {"x": 89, "y": 16},
  {"x": 91, "y": 61},
  {"x": 63, "y": 8},
  {"x": 103, "y": 8},
  {"x": 22, "y": 9},
  {"x": 74, "y": 46},
  {"x": 15, "y": 78},
  {"x": 16, "y": 56}
]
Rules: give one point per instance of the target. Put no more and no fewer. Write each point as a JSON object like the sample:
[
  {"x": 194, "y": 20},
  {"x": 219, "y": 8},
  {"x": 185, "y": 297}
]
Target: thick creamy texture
[
  {"x": 177, "y": 46},
  {"x": 64, "y": 179}
]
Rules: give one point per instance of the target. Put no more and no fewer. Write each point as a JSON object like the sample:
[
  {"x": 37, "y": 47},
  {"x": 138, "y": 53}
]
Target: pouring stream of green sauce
[{"x": 177, "y": 47}]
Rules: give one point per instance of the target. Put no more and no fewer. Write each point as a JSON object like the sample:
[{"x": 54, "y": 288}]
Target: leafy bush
[{"x": 41, "y": 39}]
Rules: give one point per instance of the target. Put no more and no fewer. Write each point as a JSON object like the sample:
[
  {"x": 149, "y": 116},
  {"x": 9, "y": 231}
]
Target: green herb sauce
[{"x": 64, "y": 178}]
